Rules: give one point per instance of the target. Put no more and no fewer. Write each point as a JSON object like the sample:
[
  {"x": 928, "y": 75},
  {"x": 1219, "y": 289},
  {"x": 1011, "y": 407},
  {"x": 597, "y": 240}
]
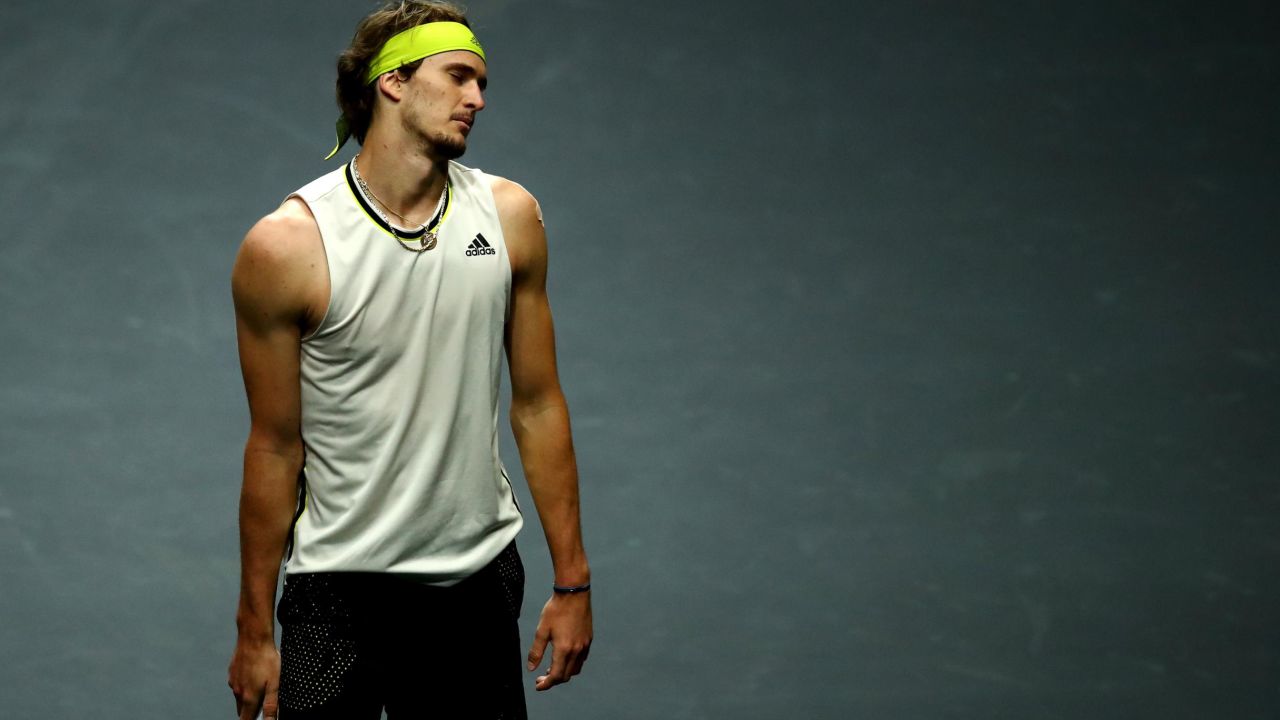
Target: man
[{"x": 372, "y": 311}]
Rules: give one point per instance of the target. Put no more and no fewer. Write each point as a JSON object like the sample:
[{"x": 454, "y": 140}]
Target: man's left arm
[{"x": 540, "y": 423}]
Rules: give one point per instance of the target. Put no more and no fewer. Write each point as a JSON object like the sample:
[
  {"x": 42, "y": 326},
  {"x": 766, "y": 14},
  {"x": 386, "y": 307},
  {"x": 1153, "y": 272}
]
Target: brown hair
[{"x": 355, "y": 96}]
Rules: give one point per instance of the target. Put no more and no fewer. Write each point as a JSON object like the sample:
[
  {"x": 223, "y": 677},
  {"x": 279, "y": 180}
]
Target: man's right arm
[{"x": 271, "y": 283}]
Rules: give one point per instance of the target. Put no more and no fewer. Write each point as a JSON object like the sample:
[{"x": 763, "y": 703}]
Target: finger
[
  {"x": 557, "y": 674},
  {"x": 538, "y": 648},
  {"x": 249, "y": 709},
  {"x": 579, "y": 660},
  {"x": 271, "y": 701},
  {"x": 235, "y": 693}
]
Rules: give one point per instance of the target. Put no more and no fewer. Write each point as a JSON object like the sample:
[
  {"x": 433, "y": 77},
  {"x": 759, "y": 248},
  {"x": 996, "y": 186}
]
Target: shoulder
[
  {"x": 522, "y": 228},
  {"x": 278, "y": 257},
  {"x": 514, "y": 202},
  {"x": 521, "y": 224},
  {"x": 286, "y": 232}
]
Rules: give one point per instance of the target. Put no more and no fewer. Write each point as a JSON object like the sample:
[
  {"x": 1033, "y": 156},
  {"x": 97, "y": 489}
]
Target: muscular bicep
[
  {"x": 269, "y": 293},
  {"x": 269, "y": 365},
  {"x": 531, "y": 350},
  {"x": 530, "y": 335}
]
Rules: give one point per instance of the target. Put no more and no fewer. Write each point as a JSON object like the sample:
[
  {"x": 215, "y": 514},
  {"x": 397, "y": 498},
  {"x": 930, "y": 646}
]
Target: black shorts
[{"x": 354, "y": 644}]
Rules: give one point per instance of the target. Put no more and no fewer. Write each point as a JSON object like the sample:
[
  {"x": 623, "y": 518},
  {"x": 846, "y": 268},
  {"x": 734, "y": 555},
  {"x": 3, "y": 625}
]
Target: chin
[{"x": 448, "y": 148}]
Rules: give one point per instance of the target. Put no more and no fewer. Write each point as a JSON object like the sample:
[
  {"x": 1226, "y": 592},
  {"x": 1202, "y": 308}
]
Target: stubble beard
[
  {"x": 439, "y": 145},
  {"x": 445, "y": 147}
]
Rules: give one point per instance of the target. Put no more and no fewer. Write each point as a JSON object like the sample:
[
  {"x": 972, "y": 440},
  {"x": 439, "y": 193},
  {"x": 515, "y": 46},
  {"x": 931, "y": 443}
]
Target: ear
[{"x": 391, "y": 85}]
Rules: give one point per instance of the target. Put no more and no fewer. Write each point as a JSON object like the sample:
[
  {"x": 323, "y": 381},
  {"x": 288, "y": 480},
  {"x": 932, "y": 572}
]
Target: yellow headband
[
  {"x": 406, "y": 47},
  {"x": 422, "y": 41}
]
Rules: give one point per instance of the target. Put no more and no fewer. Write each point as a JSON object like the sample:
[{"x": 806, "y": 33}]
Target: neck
[{"x": 406, "y": 181}]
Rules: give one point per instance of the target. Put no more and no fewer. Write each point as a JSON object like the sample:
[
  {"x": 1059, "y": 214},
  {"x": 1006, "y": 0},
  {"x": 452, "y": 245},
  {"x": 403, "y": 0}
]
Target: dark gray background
[{"x": 923, "y": 356}]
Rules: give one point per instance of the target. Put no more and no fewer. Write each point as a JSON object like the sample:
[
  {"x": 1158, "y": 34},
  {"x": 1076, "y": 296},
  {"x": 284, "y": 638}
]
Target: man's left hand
[{"x": 566, "y": 624}]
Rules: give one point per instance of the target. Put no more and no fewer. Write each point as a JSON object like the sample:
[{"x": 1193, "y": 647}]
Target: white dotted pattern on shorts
[
  {"x": 511, "y": 576},
  {"x": 314, "y": 666}
]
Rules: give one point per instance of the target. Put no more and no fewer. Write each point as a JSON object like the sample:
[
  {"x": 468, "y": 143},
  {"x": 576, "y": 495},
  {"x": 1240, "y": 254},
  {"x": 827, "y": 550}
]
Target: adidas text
[{"x": 480, "y": 246}]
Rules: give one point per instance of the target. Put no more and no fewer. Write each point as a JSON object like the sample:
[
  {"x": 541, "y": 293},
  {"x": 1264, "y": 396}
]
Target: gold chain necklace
[{"x": 429, "y": 237}]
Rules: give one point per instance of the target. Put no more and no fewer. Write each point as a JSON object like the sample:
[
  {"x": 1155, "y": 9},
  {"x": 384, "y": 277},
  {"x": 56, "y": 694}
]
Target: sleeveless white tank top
[{"x": 400, "y": 387}]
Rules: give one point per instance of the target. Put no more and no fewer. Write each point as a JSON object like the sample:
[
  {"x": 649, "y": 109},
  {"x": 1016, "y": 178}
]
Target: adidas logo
[{"x": 480, "y": 246}]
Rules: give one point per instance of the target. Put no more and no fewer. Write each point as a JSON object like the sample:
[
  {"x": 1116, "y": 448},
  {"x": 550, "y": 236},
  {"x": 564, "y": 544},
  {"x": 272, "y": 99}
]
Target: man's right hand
[{"x": 254, "y": 678}]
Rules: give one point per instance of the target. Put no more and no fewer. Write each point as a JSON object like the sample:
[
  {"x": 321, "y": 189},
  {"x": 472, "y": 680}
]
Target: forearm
[
  {"x": 546, "y": 451},
  {"x": 268, "y": 500}
]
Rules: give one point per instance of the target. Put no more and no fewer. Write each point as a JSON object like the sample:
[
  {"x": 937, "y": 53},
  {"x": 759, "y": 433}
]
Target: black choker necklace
[{"x": 430, "y": 229}]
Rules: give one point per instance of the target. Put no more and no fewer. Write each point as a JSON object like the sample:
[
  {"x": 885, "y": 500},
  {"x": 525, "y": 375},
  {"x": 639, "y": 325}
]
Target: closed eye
[{"x": 463, "y": 73}]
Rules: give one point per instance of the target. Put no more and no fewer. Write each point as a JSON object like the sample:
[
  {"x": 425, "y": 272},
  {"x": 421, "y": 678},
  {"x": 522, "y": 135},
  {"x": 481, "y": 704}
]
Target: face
[{"x": 441, "y": 101}]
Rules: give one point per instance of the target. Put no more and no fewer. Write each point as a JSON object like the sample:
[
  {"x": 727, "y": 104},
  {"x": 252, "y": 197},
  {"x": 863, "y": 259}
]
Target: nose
[{"x": 475, "y": 97}]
